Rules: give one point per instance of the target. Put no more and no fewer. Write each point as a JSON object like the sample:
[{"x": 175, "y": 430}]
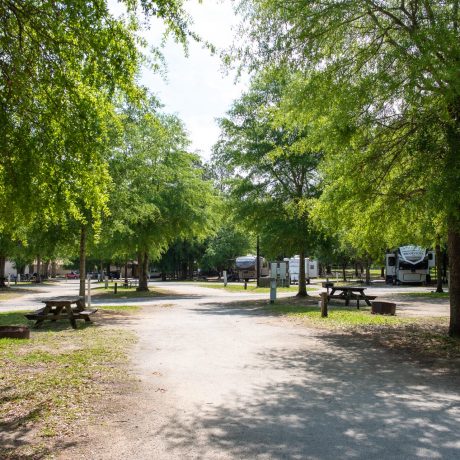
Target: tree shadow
[{"x": 340, "y": 400}]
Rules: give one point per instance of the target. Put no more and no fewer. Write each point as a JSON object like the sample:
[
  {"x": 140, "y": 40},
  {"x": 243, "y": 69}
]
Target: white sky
[{"x": 196, "y": 88}]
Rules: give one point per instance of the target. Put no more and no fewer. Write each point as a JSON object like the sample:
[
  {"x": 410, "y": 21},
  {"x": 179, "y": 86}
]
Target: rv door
[{"x": 390, "y": 268}]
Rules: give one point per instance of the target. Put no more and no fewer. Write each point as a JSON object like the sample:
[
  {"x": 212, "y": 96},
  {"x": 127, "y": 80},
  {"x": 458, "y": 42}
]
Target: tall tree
[
  {"x": 381, "y": 86},
  {"x": 159, "y": 195},
  {"x": 274, "y": 169}
]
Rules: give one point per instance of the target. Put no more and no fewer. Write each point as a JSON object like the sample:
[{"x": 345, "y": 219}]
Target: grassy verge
[
  {"x": 424, "y": 337},
  {"x": 11, "y": 293},
  {"x": 251, "y": 288},
  {"x": 426, "y": 295},
  {"x": 125, "y": 293},
  {"x": 53, "y": 382}
]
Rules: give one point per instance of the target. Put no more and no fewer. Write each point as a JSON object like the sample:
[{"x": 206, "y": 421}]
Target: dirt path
[{"x": 229, "y": 383}]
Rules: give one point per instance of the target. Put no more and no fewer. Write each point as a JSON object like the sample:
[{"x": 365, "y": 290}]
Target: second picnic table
[
  {"x": 61, "y": 308},
  {"x": 348, "y": 293}
]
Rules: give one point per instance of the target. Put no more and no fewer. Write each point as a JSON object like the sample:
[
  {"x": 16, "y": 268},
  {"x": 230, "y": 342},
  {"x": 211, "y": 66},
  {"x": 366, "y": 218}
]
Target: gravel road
[{"x": 218, "y": 381}]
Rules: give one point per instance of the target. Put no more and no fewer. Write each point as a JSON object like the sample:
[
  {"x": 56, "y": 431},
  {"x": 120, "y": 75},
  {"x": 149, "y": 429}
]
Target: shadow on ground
[{"x": 345, "y": 399}]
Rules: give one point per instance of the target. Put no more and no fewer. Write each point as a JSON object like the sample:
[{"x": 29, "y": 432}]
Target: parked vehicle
[
  {"x": 246, "y": 267},
  {"x": 311, "y": 269},
  {"x": 409, "y": 264},
  {"x": 72, "y": 276}
]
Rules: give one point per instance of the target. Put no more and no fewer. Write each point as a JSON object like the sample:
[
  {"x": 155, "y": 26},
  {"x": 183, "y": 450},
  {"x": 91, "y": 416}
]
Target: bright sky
[{"x": 196, "y": 88}]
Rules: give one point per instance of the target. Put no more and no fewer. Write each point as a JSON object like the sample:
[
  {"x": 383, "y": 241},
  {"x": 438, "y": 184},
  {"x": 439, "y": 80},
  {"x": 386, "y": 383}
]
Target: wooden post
[
  {"x": 324, "y": 305},
  {"x": 258, "y": 263},
  {"x": 89, "y": 291},
  {"x": 245, "y": 284},
  {"x": 115, "y": 286},
  {"x": 272, "y": 290}
]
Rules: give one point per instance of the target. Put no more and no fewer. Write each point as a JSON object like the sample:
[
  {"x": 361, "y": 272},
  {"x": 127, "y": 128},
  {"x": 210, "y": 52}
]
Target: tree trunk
[
  {"x": 453, "y": 244},
  {"x": 53, "y": 269},
  {"x": 368, "y": 272},
  {"x": 2, "y": 271},
  {"x": 143, "y": 271},
  {"x": 344, "y": 272},
  {"x": 438, "y": 268},
  {"x": 38, "y": 279},
  {"x": 82, "y": 260},
  {"x": 302, "y": 292},
  {"x": 126, "y": 272}
]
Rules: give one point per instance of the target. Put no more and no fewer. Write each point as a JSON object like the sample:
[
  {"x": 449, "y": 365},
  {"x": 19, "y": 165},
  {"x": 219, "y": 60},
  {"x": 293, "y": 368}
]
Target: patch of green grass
[
  {"x": 251, "y": 288},
  {"x": 15, "y": 318},
  {"x": 127, "y": 308},
  {"x": 124, "y": 293},
  {"x": 428, "y": 294},
  {"x": 342, "y": 317},
  {"x": 11, "y": 293},
  {"x": 51, "y": 382}
]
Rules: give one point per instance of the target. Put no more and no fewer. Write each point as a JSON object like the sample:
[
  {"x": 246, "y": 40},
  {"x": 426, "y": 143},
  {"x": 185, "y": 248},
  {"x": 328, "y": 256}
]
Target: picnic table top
[
  {"x": 348, "y": 288},
  {"x": 63, "y": 299}
]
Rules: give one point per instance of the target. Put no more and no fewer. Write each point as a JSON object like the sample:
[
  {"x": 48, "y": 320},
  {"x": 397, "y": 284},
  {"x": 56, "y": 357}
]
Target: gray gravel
[{"x": 222, "y": 382}]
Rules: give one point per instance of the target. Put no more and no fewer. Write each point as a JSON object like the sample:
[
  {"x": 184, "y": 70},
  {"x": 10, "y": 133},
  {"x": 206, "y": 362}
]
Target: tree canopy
[{"x": 378, "y": 84}]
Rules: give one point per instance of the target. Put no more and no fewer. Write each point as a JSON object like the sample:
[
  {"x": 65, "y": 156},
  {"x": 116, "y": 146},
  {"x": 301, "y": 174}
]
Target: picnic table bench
[
  {"x": 348, "y": 293},
  {"x": 127, "y": 283},
  {"x": 61, "y": 308}
]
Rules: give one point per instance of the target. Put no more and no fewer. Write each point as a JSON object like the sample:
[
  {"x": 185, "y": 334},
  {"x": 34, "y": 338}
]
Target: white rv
[
  {"x": 311, "y": 269},
  {"x": 246, "y": 266},
  {"x": 409, "y": 264}
]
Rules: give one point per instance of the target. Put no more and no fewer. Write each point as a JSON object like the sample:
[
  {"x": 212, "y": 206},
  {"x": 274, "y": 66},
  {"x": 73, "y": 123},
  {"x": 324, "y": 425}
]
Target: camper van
[
  {"x": 409, "y": 264},
  {"x": 246, "y": 267},
  {"x": 311, "y": 269}
]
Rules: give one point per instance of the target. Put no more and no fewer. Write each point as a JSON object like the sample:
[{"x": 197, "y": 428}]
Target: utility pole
[{"x": 258, "y": 262}]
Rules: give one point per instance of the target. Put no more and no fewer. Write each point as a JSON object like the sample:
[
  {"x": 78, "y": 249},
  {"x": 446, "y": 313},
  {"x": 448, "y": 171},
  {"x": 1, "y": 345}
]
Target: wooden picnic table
[
  {"x": 61, "y": 308},
  {"x": 348, "y": 293}
]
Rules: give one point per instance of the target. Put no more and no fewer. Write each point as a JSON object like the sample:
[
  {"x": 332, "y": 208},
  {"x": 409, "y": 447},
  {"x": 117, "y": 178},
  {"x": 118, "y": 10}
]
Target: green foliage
[
  {"x": 377, "y": 83},
  {"x": 62, "y": 67},
  {"x": 224, "y": 247},
  {"x": 159, "y": 194},
  {"x": 273, "y": 170}
]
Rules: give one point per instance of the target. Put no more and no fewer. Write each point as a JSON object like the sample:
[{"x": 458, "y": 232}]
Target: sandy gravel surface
[{"x": 221, "y": 382}]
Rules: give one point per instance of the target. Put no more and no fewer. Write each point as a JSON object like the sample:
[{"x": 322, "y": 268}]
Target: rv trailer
[
  {"x": 409, "y": 264},
  {"x": 311, "y": 269},
  {"x": 246, "y": 267}
]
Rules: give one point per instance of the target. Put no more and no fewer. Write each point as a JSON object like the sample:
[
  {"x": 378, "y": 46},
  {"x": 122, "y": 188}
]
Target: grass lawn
[
  {"x": 125, "y": 293},
  {"x": 251, "y": 288},
  {"x": 426, "y": 295},
  {"x": 11, "y": 293},
  {"x": 425, "y": 337},
  {"x": 53, "y": 382}
]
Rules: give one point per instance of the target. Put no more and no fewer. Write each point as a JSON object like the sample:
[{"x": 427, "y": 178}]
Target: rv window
[
  {"x": 391, "y": 261},
  {"x": 430, "y": 256}
]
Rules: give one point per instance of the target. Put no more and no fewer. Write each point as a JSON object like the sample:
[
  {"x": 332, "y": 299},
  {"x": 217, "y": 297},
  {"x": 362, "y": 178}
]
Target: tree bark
[
  {"x": 453, "y": 244},
  {"x": 368, "y": 272},
  {"x": 438, "y": 268},
  {"x": 53, "y": 268},
  {"x": 302, "y": 292},
  {"x": 38, "y": 279},
  {"x": 2, "y": 271},
  {"x": 143, "y": 271},
  {"x": 82, "y": 260}
]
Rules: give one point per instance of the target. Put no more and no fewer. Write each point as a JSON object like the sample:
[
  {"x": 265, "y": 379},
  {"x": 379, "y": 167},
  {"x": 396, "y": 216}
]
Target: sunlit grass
[
  {"x": 338, "y": 316},
  {"x": 251, "y": 288},
  {"x": 50, "y": 380}
]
